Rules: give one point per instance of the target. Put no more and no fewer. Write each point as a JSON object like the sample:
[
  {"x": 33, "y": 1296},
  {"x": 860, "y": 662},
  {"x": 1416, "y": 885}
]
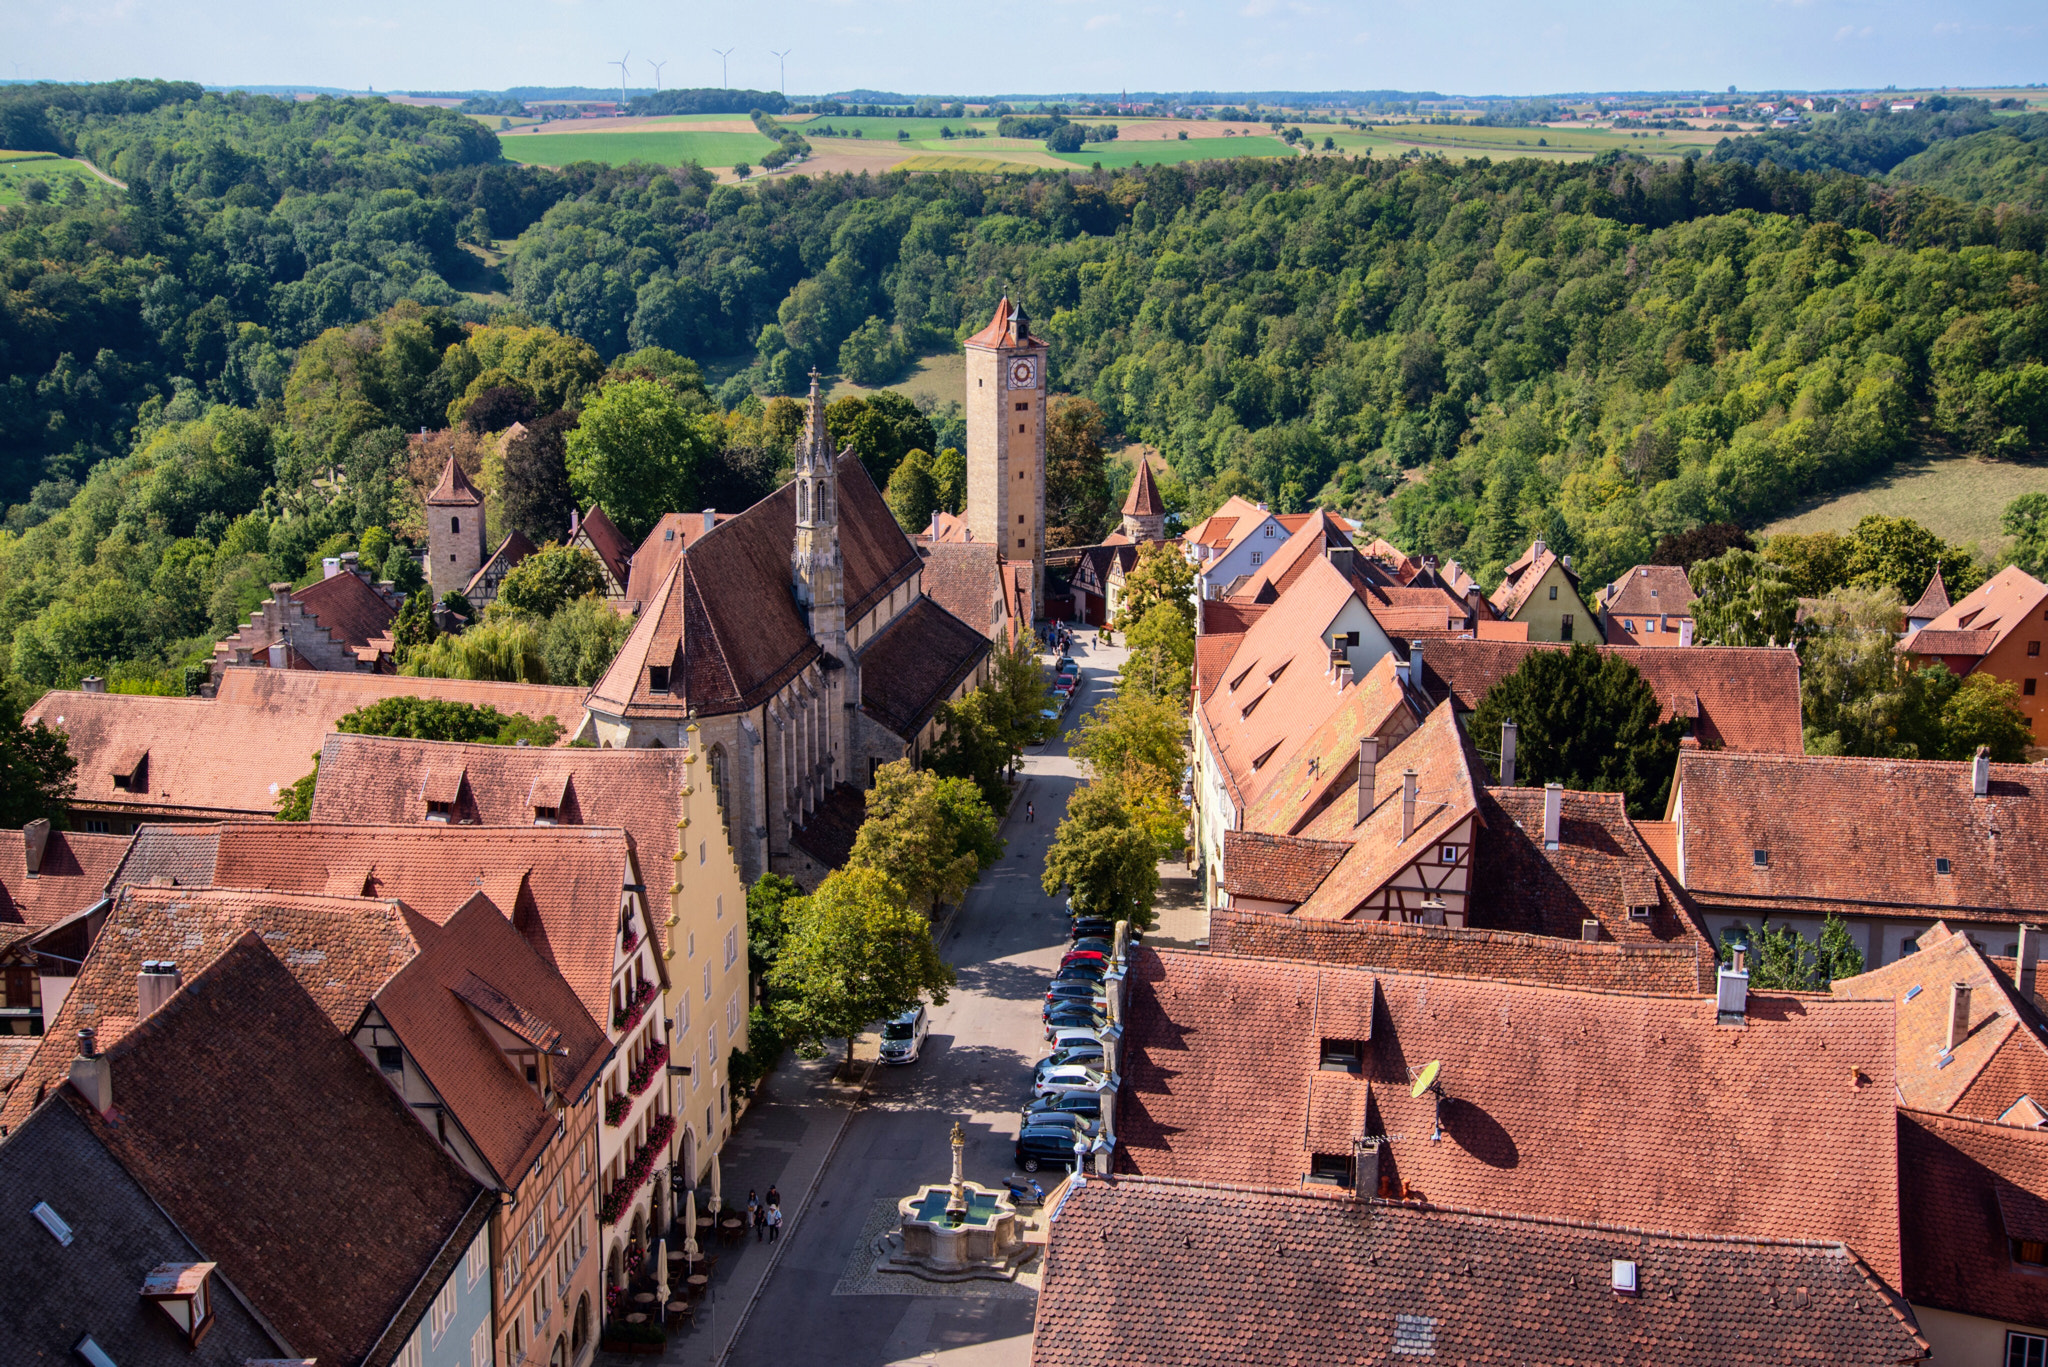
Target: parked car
[
  {"x": 1085, "y": 1104},
  {"x": 1084, "y": 1050},
  {"x": 1101, "y": 944},
  {"x": 1067, "y": 662},
  {"x": 1098, "y": 957},
  {"x": 1072, "y": 1078},
  {"x": 1076, "y": 993},
  {"x": 903, "y": 1037},
  {"x": 1075, "y": 1036},
  {"x": 1045, "y": 1146},
  {"x": 1071, "y": 1121},
  {"x": 1094, "y": 970},
  {"x": 1085, "y": 1015}
]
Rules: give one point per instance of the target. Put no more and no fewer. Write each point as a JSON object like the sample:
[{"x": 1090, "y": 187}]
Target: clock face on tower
[{"x": 1024, "y": 372}]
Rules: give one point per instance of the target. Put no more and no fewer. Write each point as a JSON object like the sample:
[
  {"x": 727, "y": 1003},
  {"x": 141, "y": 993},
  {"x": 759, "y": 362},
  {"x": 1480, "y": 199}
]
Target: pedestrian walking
[
  {"x": 774, "y": 1196},
  {"x": 752, "y": 1217},
  {"x": 1030, "y": 812},
  {"x": 774, "y": 1222}
]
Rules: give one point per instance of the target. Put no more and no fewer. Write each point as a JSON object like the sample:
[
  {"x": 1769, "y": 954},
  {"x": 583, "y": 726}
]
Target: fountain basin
[{"x": 986, "y": 1243}]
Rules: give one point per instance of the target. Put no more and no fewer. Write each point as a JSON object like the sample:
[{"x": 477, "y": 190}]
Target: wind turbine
[
  {"x": 781, "y": 67},
  {"x": 725, "y": 81},
  {"x": 657, "y": 72},
  {"x": 621, "y": 65}
]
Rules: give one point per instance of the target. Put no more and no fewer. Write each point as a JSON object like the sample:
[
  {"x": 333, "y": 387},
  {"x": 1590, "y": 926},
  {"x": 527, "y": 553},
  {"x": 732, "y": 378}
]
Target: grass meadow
[
  {"x": 1958, "y": 498},
  {"x": 1113, "y": 155},
  {"x": 662, "y": 149},
  {"x": 16, "y": 168}
]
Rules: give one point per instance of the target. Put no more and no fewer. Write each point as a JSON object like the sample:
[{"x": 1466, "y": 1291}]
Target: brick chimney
[
  {"x": 35, "y": 838},
  {"x": 1508, "y": 732},
  {"x": 1407, "y": 803},
  {"x": 156, "y": 984},
  {"x": 2029, "y": 960},
  {"x": 1958, "y": 1015},
  {"x": 92, "y": 683},
  {"x": 1368, "y": 767},
  {"x": 1980, "y": 771},
  {"x": 1553, "y": 814},
  {"x": 91, "y": 1075}
]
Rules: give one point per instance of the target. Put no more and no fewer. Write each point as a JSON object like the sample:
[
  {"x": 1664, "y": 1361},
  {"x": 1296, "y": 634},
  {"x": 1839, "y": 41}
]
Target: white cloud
[{"x": 1101, "y": 21}]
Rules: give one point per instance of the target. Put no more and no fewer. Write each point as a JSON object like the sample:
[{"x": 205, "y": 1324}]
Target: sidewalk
[{"x": 784, "y": 1140}]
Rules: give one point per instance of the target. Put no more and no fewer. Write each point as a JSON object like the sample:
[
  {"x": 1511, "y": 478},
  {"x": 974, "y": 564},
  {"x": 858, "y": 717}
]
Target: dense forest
[{"x": 222, "y": 371}]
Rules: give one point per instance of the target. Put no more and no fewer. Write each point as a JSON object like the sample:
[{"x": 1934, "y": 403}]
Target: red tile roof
[
  {"x": 916, "y": 663},
  {"x": 608, "y": 542},
  {"x": 73, "y": 873},
  {"x": 1983, "y": 617},
  {"x": 1213, "y": 653},
  {"x": 1651, "y": 591},
  {"x": 2001, "y": 1057},
  {"x": 1324, "y": 766},
  {"x": 1154, "y": 1273},
  {"x": 1446, "y": 951},
  {"x": 1858, "y": 834},
  {"x": 724, "y": 619},
  {"x": 1223, "y": 617},
  {"x": 286, "y": 1159},
  {"x": 966, "y": 579},
  {"x": 346, "y": 949},
  {"x": 674, "y": 534},
  {"x": 1976, "y": 1186},
  {"x": 231, "y": 755},
  {"x": 1743, "y": 699},
  {"x": 1144, "y": 500},
  {"x": 454, "y": 490},
  {"x": 1524, "y": 575},
  {"x": 1933, "y": 600},
  {"x": 1277, "y": 868},
  {"x": 351, "y": 610},
  {"x": 1008, "y": 328},
  {"x": 1638, "y": 1111}
]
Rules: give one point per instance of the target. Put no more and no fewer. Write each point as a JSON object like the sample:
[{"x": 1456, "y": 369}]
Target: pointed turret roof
[
  {"x": 1933, "y": 602},
  {"x": 455, "y": 488},
  {"x": 1143, "y": 500},
  {"x": 1008, "y": 328}
]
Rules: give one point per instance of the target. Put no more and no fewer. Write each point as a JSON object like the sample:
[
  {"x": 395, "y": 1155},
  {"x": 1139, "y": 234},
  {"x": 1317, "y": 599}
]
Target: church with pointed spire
[{"x": 793, "y": 647}]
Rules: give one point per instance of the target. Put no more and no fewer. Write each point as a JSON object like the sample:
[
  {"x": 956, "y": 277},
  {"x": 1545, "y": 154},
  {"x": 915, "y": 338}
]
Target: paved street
[{"x": 841, "y": 1162}]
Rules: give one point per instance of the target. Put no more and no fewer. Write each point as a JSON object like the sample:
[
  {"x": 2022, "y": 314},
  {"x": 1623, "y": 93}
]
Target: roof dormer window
[
  {"x": 185, "y": 1292},
  {"x": 441, "y": 811},
  {"x": 1760, "y": 859},
  {"x": 657, "y": 678},
  {"x": 544, "y": 816}
]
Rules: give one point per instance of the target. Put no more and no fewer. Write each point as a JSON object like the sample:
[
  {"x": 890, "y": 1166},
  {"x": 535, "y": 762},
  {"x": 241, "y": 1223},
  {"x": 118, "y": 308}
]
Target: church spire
[{"x": 817, "y": 574}]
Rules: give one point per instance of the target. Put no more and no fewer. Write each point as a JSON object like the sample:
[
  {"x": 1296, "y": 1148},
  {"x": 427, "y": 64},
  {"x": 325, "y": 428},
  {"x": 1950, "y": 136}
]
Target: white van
[{"x": 903, "y": 1037}]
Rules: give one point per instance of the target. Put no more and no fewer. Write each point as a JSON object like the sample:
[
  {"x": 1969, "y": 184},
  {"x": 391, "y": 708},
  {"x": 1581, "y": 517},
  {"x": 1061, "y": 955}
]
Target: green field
[
  {"x": 943, "y": 377},
  {"x": 663, "y": 149},
  {"x": 1460, "y": 143},
  {"x": 55, "y": 172},
  {"x": 885, "y": 130},
  {"x": 947, "y": 161},
  {"x": 1958, "y": 498},
  {"x": 1118, "y": 154}
]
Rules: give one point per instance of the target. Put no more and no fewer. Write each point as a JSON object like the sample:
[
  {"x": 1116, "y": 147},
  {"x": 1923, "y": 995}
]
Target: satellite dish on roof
[{"x": 1425, "y": 1081}]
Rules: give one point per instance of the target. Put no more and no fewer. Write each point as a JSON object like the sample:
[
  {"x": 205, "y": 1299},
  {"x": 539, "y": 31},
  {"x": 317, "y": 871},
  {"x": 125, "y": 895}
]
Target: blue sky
[{"x": 942, "y": 46}]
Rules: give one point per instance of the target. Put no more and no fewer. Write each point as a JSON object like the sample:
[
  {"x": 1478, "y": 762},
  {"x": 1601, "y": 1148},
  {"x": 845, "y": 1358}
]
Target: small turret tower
[
  {"x": 817, "y": 574},
  {"x": 455, "y": 532}
]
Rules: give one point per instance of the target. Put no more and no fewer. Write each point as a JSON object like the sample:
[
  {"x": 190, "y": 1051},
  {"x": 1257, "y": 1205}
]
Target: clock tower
[{"x": 1006, "y": 393}]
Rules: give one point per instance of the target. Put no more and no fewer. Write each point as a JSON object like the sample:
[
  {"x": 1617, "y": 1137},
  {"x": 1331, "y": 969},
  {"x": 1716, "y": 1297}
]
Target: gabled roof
[
  {"x": 1213, "y": 653},
  {"x": 513, "y": 549},
  {"x": 1740, "y": 698},
  {"x": 171, "y": 855},
  {"x": 454, "y": 490},
  {"x": 475, "y": 968},
  {"x": 1983, "y": 617},
  {"x": 1524, "y": 575},
  {"x": 966, "y": 579},
  {"x": 1446, "y": 795},
  {"x": 232, "y": 754},
  {"x": 1447, "y": 951},
  {"x": 1147, "y": 1272},
  {"x": 1008, "y": 328},
  {"x": 275, "y": 1145},
  {"x": 1601, "y": 870},
  {"x": 1976, "y": 1186},
  {"x": 725, "y": 621},
  {"x": 1277, "y": 868},
  {"x": 1143, "y": 499},
  {"x": 1238, "y": 518},
  {"x": 916, "y": 663},
  {"x": 1317, "y": 534},
  {"x": 1324, "y": 766},
  {"x": 57, "y": 1293},
  {"x": 346, "y": 949},
  {"x": 72, "y": 875},
  {"x": 1860, "y": 834},
  {"x": 1636, "y": 1111},
  {"x": 674, "y": 534},
  {"x": 1933, "y": 601},
  {"x": 2001, "y": 1057},
  {"x": 608, "y": 542},
  {"x": 1279, "y": 686},
  {"x": 1651, "y": 591},
  {"x": 351, "y": 610}
]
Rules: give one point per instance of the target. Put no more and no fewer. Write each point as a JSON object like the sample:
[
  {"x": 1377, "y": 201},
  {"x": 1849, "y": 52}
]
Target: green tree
[
  {"x": 912, "y": 493},
  {"x": 402, "y": 568},
  {"x": 296, "y": 802},
  {"x": 855, "y": 953},
  {"x": 1020, "y": 696},
  {"x": 578, "y": 643},
  {"x": 1985, "y": 711},
  {"x": 1743, "y": 600},
  {"x": 1107, "y": 858},
  {"x": 949, "y": 474},
  {"x": 550, "y": 578},
  {"x": 1856, "y": 693},
  {"x": 872, "y": 354},
  {"x": 1162, "y": 654},
  {"x": 1162, "y": 575},
  {"x": 932, "y": 835},
  {"x": 1812, "y": 565},
  {"x": 417, "y": 718},
  {"x": 636, "y": 449},
  {"x": 534, "y": 490},
  {"x": 504, "y": 651},
  {"x": 2026, "y": 521},
  {"x": 973, "y": 745},
  {"x": 1686, "y": 549},
  {"x": 1135, "y": 732},
  {"x": 37, "y": 771},
  {"x": 768, "y": 900},
  {"x": 1899, "y": 553},
  {"x": 413, "y": 628},
  {"x": 1780, "y": 959},
  {"x": 1588, "y": 721},
  {"x": 1077, "y": 502}
]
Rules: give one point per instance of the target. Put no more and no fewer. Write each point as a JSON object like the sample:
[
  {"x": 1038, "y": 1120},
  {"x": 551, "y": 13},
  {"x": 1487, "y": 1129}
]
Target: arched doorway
[
  {"x": 560, "y": 1357},
  {"x": 689, "y": 1164},
  {"x": 617, "y": 1264},
  {"x": 579, "y": 1328}
]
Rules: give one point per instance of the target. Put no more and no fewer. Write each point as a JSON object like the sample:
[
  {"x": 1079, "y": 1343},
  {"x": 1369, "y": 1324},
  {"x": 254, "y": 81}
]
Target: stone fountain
[{"x": 959, "y": 1231}]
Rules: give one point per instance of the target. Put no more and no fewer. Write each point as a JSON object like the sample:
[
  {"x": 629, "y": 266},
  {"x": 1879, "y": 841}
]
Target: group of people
[
  {"x": 763, "y": 1219},
  {"x": 1060, "y": 637}
]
